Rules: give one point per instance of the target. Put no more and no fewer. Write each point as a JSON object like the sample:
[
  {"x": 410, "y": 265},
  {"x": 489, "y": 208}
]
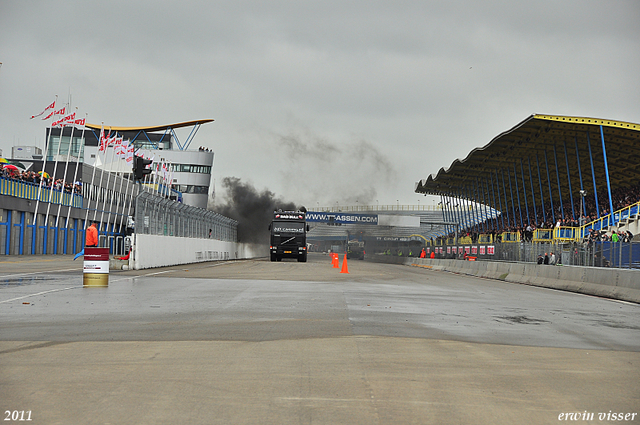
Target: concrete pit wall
[
  {"x": 160, "y": 251},
  {"x": 619, "y": 284}
]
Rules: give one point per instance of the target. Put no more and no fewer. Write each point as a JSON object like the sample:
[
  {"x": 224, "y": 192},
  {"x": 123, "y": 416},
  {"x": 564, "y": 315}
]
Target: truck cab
[{"x": 288, "y": 236}]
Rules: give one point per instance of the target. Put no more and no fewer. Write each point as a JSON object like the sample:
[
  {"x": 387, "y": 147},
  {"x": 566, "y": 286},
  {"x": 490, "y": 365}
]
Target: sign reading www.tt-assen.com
[
  {"x": 342, "y": 218},
  {"x": 375, "y": 219}
]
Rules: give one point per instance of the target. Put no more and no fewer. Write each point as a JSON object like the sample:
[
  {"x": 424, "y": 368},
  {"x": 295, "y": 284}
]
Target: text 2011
[{"x": 17, "y": 415}]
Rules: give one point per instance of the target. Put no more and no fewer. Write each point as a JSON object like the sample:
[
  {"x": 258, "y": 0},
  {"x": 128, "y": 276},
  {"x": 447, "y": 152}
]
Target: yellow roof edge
[
  {"x": 587, "y": 120},
  {"x": 149, "y": 128}
]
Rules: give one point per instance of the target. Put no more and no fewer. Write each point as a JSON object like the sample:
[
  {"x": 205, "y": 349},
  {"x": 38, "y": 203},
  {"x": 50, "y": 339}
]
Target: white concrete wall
[
  {"x": 160, "y": 251},
  {"x": 621, "y": 284}
]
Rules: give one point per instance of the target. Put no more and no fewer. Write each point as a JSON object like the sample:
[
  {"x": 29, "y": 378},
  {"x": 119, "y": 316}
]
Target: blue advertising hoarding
[{"x": 342, "y": 218}]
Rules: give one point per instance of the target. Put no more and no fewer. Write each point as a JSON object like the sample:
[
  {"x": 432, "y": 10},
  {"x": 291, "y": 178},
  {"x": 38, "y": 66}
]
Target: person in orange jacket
[
  {"x": 92, "y": 235},
  {"x": 423, "y": 254},
  {"x": 433, "y": 254}
]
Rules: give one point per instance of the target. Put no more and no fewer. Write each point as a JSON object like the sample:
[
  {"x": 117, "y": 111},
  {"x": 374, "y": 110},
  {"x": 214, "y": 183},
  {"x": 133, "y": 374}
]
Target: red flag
[
  {"x": 58, "y": 112},
  {"x": 52, "y": 106},
  {"x": 102, "y": 142},
  {"x": 64, "y": 121}
]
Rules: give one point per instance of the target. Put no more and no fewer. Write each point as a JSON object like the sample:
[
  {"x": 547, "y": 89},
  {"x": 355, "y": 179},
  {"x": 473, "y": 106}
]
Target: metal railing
[
  {"x": 608, "y": 220},
  {"x": 155, "y": 215},
  {"x": 29, "y": 190}
]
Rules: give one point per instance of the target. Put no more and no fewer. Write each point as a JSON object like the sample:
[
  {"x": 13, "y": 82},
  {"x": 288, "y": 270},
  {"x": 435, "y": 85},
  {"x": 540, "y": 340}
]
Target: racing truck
[
  {"x": 355, "y": 249},
  {"x": 288, "y": 235}
]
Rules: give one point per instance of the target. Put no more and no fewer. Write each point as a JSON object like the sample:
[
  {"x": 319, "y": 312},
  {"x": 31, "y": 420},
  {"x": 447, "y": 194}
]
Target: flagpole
[
  {"x": 53, "y": 176},
  {"x": 106, "y": 146},
  {"x": 75, "y": 174},
  {"x": 117, "y": 143},
  {"x": 44, "y": 163},
  {"x": 106, "y": 192},
  {"x": 66, "y": 168},
  {"x": 86, "y": 217},
  {"x": 120, "y": 192}
]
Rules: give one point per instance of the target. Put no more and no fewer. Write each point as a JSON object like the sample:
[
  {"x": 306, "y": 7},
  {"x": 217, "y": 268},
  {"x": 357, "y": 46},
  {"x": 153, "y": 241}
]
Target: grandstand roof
[
  {"x": 528, "y": 142},
  {"x": 152, "y": 128}
]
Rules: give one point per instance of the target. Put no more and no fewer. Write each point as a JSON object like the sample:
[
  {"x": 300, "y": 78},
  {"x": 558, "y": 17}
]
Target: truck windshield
[{"x": 287, "y": 227}]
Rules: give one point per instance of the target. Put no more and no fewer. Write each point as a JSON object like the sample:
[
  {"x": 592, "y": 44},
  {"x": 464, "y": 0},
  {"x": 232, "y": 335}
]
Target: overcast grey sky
[{"x": 356, "y": 99}]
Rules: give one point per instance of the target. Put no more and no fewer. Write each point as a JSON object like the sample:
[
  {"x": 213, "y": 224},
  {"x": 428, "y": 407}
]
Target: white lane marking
[
  {"x": 8, "y": 276},
  {"x": 39, "y": 293},
  {"x": 74, "y": 287}
]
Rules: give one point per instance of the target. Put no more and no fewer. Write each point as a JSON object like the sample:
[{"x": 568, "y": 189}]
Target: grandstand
[{"x": 552, "y": 178}]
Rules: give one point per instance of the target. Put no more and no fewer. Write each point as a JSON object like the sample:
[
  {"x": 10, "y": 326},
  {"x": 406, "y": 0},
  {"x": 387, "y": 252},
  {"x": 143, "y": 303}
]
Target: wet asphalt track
[{"x": 385, "y": 321}]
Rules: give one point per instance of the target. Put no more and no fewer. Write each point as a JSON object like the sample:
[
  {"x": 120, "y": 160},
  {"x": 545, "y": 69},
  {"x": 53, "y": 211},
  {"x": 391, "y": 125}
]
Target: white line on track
[
  {"x": 39, "y": 293},
  {"x": 75, "y": 287}
]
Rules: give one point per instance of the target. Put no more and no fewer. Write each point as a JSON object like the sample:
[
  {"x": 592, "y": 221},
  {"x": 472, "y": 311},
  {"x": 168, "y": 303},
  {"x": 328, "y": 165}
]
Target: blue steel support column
[
  {"x": 477, "y": 214},
  {"x": 555, "y": 158},
  {"x": 461, "y": 212},
  {"x": 21, "y": 234},
  {"x": 606, "y": 172},
  {"x": 7, "y": 247},
  {"x": 513, "y": 216},
  {"x": 464, "y": 208},
  {"x": 524, "y": 188},
  {"x": 451, "y": 211},
  {"x": 546, "y": 162},
  {"x": 454, "y": 207},
  {"x": 444, "y": 218},
  {"x": 55, "y": 240},
  {"x": 472, "y": 208},
  {"x": 544, "y": 214},
  {"x": 450, "y": 215},
  {"x": 584, "y": 207},
  {"x": 499, "y": 200},
  {"x": 533, "y": 193},
  {"x": 34, "y": 233},
  {"x": 484, "y": 204},
  {"x": 65, "y": 239},
  {"x": 593, "y": 174},
  {"x": 46, "y": 237},
  {"x": 493, "y": 204},
  {"x": 566, "y": 158},
  {"x": 444, "y": 211},
  {"x": 515, "y": 178},
  {"x": 467, "y": 208},
  {"x": 74, "y": 231}
]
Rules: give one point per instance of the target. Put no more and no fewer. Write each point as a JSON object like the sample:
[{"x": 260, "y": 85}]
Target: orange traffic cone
[
  {"x": 345, "y": 268},
  {"x": 335, "y": 261}
]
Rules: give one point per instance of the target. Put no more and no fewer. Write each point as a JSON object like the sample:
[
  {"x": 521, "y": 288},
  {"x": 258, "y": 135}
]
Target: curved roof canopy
[
  {"x": 152, "y": 128},
  {"x": 544, "y": 152}
]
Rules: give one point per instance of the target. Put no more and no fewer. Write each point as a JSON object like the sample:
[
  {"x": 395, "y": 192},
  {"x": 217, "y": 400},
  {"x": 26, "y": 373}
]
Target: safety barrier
[{"x": 611, "y": 283}]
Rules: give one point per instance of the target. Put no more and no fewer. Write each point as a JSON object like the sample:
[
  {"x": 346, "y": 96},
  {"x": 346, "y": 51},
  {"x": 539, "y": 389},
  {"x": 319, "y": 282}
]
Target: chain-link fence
[
  {"x": 595, "y": 254},
  {"x": 155, "y": 215}
]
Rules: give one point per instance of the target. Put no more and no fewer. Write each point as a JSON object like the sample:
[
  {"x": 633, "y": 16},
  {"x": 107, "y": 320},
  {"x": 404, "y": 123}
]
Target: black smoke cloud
[{"x": 253, "y": 210}]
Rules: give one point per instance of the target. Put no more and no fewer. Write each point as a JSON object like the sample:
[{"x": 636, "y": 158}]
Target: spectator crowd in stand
[
  {"x": 620, "y": 198},
  {"x": 34, "y": 178}
]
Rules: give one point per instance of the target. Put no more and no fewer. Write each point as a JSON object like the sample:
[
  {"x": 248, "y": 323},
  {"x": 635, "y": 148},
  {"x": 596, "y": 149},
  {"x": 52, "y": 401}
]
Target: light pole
[{"x": 583, "y": 193}]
